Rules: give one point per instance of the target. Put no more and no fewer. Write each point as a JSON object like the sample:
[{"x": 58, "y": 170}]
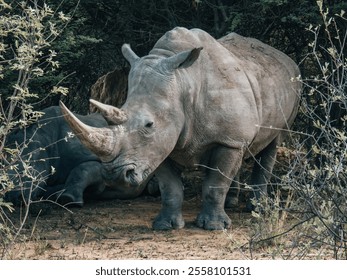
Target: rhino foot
[
  {"x": 167, "y": 222},
  {"x": 250, "y": 206},
  {"x": 213, "y": 221},
  {"x": 68, "y": 200}
]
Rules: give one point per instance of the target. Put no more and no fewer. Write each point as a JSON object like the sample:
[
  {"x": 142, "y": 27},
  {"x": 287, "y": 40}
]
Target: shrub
[
  {"x": 27, "y": 30},
  {"x": 314, "y": 219},
  {"x": 320, "y": 176}
]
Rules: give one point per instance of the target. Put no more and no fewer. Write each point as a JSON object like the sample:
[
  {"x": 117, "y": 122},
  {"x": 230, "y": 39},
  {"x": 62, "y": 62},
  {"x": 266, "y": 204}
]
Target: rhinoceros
[
  {"x": 62, "y": 166},
  {"x": 196, "y": 101}
]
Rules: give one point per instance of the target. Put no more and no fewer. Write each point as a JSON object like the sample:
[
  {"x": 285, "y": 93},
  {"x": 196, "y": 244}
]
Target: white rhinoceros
[{"x": 194, "y": 100}]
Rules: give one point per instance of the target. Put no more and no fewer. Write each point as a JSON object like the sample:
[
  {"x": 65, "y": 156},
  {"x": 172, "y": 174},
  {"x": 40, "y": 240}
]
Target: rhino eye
[{"x": 149, "y": 124}]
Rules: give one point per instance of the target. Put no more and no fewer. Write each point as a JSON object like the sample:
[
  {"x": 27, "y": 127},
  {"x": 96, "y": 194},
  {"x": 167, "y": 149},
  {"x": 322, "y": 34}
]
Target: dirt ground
[{"x": 121, "y": 229}]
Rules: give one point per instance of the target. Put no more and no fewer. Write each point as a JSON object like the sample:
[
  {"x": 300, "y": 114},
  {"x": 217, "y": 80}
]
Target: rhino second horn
[
  {"x": 112, "y": 114},
  {"x": 101, "y": 141}
]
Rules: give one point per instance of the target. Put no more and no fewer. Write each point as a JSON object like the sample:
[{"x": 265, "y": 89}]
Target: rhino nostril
[{"x": 130, "y": 172}]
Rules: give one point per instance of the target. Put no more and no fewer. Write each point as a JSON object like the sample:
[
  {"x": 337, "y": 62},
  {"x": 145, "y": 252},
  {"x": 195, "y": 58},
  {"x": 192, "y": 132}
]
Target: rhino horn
[
  {"x": 112, "y": 114},
  {"x": 101, "y": 141},
  {"x": 129, "y": 54},
  {"x": 183, "y": 59}
]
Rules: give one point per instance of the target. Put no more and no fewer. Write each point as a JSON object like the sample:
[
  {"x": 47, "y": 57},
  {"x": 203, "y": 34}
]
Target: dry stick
[
  {"x": 87, "y": 227},
  {"x": 214, "y": 169}
]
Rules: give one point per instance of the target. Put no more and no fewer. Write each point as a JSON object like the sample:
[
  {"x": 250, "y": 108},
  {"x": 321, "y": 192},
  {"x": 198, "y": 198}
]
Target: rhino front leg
[
  {"x": 224, "y": 163},
  {"x": 171, "y": 189},
  {"x": 82, "y": 176}
]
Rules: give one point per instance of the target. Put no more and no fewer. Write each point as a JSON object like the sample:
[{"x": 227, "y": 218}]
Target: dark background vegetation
[{"x": 90, "y": 45}]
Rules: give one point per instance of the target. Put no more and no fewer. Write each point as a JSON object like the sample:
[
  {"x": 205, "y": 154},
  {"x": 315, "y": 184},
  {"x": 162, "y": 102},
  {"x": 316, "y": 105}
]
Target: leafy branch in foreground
[
  {"x": 317, "y": 176},
  {"x": 27, "y": 30}
]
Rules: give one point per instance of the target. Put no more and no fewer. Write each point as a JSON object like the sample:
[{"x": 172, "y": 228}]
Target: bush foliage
[{"x": 27, "y": 31}]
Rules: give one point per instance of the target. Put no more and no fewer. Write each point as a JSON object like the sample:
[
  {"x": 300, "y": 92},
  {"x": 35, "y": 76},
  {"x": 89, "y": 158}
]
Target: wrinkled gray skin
[
  {"x": 76, "y": 167},
  {"x": 194, "y": 100}
]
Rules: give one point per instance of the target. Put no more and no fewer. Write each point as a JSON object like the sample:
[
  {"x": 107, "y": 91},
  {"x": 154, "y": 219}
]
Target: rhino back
[
  {"x": 54, "y": 144},
  {"x": 244, "y": 86},
  {"x": 69, "y": 147},
  {"x": 58, "y": 140}
]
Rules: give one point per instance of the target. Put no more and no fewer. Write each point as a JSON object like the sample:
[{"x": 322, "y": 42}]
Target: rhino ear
[
  {"x": 129, "y": 55},
  {"x": 183, "y": 59}
]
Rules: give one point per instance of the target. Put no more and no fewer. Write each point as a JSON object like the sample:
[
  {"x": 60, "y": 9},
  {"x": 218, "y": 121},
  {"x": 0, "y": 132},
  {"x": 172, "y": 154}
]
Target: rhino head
[{"x": 146, "y": 129}]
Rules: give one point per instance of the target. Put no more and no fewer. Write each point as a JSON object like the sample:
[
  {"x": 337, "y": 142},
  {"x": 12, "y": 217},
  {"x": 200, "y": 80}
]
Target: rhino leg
[
  {"x": 171, "y": 189},
  {"x": 82, "y": 176},
  {"x": 225, "y": 164},
  {"x": 232, "y": 199},
  {"x": 153, "y": 187},
  {"x": 261, "y": 173},
  {"x": 53, "y": 192}
]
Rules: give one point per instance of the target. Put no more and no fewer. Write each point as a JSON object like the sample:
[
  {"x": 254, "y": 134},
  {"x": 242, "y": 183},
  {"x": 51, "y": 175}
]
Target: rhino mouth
[
  {"x": 134, "y": 176},
  {"x": 146, "y": 174}
]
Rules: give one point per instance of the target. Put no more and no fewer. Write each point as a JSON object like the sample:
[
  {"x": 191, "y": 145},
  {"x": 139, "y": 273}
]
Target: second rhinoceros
[
  {"x": 53, "y": 164},
  {"x": 194, "y": 100}
]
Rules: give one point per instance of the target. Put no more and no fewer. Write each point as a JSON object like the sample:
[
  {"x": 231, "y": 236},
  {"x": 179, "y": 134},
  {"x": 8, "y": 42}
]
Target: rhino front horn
[{"x": 101, "y": 141}]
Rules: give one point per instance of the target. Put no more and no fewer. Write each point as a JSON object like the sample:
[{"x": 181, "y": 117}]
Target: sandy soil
[{"x": 122, "y": 230}]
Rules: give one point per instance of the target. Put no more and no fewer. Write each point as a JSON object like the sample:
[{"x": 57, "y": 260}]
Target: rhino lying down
[
  {"x": 52, "y": 146},
  {"x": 194, "y": 100}
]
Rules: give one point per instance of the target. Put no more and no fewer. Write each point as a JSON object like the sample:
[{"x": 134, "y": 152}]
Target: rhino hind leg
[
  {"x": 261, "y": 173},
  {"x": 171, "y": 189},
  {"x": 232, "y": 198},
  {"x": 87, "y": 174}
]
